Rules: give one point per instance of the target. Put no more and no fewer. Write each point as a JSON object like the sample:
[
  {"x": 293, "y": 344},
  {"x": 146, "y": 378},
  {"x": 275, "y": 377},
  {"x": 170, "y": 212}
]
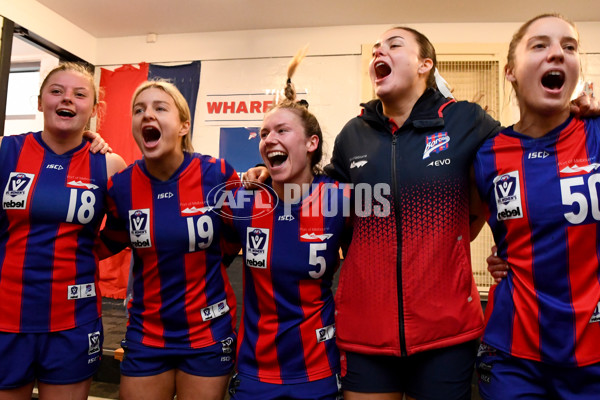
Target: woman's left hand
[
  {"x": 98, "y": 144},
  {"x": 497, "y": 267},
  {"x": 585, "y": 106}
]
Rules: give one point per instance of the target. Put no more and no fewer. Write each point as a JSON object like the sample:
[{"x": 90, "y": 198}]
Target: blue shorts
[
  {"x": 55, "y": 358},
  {"x": 142, "y": 360},
  {"x": 246, "y": 388},
  {"x": 502, "y": 376},
  {"x": 444, "y": 373}
]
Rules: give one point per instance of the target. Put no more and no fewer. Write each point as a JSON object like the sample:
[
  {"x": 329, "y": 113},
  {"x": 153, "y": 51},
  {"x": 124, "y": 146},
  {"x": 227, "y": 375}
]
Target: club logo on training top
[
  {"x": 17, "y": 190},
  {"x": 139, "y": 228},
  {"x": 507, "y": 191},
  {"x": 436, "y": 143},
  {"x": 257, "y": 245}
]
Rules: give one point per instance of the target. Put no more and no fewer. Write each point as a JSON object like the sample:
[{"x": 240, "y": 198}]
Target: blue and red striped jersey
[
  {"x": 291, "y": 252},
  {"x": 544, "y": 211},
  {"x": 182, "y": 297},
  {"x": 52, "y": 207}
]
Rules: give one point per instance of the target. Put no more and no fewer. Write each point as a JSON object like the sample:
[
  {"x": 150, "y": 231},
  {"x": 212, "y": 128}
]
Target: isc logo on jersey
[
  {"x": 257, "y": 246},
  {"x": 17, "y": 190},
  {"x": 139, "y": 228},
  {"x": 508, "y": 196}
]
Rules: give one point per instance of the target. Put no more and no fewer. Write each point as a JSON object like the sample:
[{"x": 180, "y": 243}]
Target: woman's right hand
[{"x": 255, "y": 176}]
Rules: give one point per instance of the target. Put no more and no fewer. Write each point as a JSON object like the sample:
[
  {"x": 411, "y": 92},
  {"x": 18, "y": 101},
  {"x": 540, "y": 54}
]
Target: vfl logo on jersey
[
  {"x": 325, "y": 333},
  {"x": 215, "y": 310},
  {"x": 227, "y": 345},
  {"x": 17, "y": 190},
  {"x": 257, "y": 247},
  {"x": 436, "y": 143},
  {"x": 508, "y": 196},
  {"x": 93, "y": 342},
  {"x": 139, "y": 228}
]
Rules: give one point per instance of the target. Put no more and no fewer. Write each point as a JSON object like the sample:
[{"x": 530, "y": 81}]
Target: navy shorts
[
  {"x": 502, "y": 376},
  {"x": 55, "y": 358},
  {"x": 215, "y": 360},
  {"x": 444, "y": 373},
  {"x": 245, "y": 388}
]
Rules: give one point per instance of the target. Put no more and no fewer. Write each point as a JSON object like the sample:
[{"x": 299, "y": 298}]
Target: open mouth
[
  {"x": 63, "y": 112},
  {"x": 553, "y": 80},
  {"x": 382, "y": 69},
  {"x": 150, "y": 134},
  {"x": 276, "y": 158}
]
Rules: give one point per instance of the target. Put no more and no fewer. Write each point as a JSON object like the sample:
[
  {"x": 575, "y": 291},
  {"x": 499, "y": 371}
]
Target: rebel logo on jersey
[
  {"x": 17, "y": 190},
  {"x": 139, "y": 229},
  {"x": 257, "y": 247},
  {"x": 508, "y": 196}
]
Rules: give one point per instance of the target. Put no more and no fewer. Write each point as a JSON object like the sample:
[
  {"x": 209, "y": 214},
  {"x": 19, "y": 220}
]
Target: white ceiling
[{"x": 114, "y": 18}]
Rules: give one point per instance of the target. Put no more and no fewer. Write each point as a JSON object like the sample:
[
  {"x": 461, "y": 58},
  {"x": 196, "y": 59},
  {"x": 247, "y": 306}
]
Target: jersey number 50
[{"x": 570, "y": 197}]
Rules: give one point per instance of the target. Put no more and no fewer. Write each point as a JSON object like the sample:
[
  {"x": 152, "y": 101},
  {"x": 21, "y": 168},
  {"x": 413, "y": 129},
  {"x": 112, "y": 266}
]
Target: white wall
[
  {"x": 253, "y": 60},
  {"x": 51, "y": 26},
  {"x": 28, "y": 53}
]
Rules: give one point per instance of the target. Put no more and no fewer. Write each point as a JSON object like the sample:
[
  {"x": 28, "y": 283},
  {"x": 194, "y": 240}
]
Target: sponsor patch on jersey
[
  {"x": 215, "y": 310},
  {"x": 189, "y": 209},
  {"x": 596, "y": 314},
  {"x": 313, "y": 237},
  {"x": 93, "y": 342},
  {"x": 508, "y": 196},
  {"x": 257, "y": 247},
  {"x": 82, "y": 291},
  {"x": 575, "y": 169},
  {"x": 436, "y": 143},
  {"x": 139, "y": 228},
  {"x": 81, "y": 183},
  {"x": 325, "y": 333},
  {"x": 17, "y": 190}
]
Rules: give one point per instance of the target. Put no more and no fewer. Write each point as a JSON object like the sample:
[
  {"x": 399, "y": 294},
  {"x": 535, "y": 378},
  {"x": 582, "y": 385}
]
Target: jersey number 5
[{"x": 317, "y": 260}]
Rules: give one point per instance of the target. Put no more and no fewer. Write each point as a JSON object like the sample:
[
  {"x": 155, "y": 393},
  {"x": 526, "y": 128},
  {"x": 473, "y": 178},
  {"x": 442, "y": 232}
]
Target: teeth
[
  {"x": 65, "y": 113},
  {"x": 276, "y": 153}
]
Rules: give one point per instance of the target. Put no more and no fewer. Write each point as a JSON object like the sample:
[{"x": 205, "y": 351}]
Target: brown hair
[
  {"x": 300, "y": 108},
  {"x": 180, "y": 103},
  {"x": 426, "y": 50},
  {"x": 71, "y": 66},
  {"x": 518, "y": 36}
]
